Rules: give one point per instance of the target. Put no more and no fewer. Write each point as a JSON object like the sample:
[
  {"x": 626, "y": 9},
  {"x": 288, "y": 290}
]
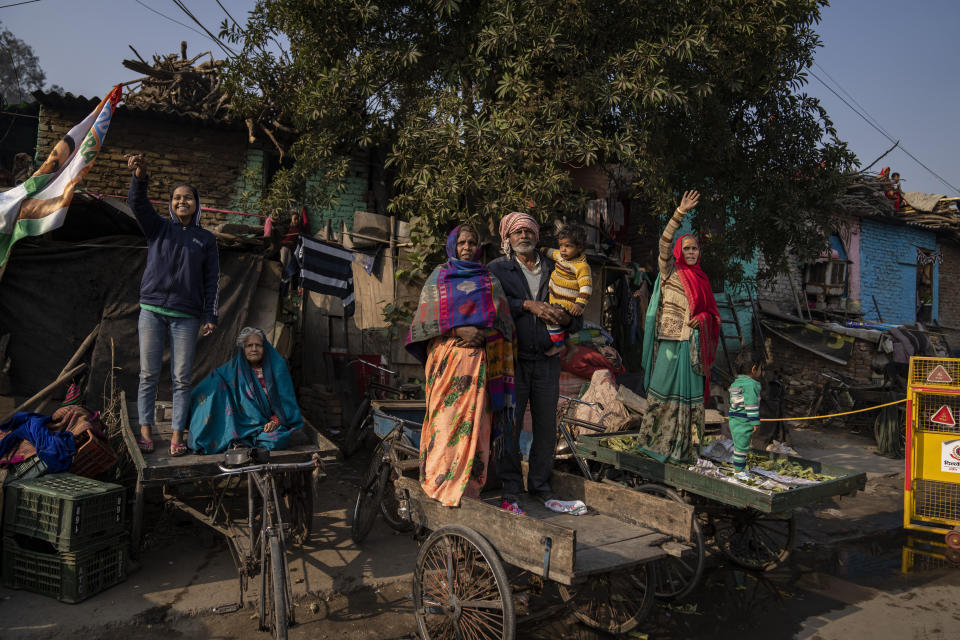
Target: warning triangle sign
[
  {"x": 940, "y": 375},
  {"x": 943, "y": 416}
]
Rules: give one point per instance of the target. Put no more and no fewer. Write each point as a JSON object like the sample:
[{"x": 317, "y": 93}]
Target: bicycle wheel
[
  {"x": 278, "y": 589},
  {"x": 676, "y": 577},
  {"x": 614, "y": 602},
  {"x": 752, "y": 539},
  {"x": 460, "y": 588},
  {"x": 297, "y": 494},
  {"x": 390, "y": 507},
  {"x": 369, "y": 496},
  {"x": 354, "y": 434}
]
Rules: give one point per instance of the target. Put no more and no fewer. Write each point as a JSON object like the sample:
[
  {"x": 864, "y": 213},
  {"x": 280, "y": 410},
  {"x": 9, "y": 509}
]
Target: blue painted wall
[{"x": 888, "y": 270}]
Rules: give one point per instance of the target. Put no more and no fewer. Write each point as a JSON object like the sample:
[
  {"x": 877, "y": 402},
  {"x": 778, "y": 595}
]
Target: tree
[
  {"x": 483, "y": 108},
  {"x": 20, "y": 71}
]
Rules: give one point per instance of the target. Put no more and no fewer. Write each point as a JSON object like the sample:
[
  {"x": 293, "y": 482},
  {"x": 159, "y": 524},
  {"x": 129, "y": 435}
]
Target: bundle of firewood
[
  {"x": 175, "y": 83},
  {"x": 864, "y": 193}
]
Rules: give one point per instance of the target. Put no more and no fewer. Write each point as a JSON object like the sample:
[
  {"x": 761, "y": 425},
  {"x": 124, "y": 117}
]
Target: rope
[{"x": 834, "y": 415}]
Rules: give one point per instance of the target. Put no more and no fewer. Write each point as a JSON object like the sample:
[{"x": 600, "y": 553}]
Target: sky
[{"x": 895, "y": 62}]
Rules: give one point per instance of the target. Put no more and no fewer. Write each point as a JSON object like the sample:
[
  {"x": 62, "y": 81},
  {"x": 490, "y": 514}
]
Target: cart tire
[
  {"x": 754, "y": 540},
  {"x": 370, "y": 494},
  {"x": 614, "y": 602},
  {"x": 460, "y": 588},
  {"x": 952, "y": 538},
  {"x": 353, "y": 437},
  {"x": 677, "y": 577},
  {"x": 278, "y": 590}
]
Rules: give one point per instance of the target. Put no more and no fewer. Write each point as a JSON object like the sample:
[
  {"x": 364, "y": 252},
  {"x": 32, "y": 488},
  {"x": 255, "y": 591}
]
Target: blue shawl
[{"x": 230, "y": 405}]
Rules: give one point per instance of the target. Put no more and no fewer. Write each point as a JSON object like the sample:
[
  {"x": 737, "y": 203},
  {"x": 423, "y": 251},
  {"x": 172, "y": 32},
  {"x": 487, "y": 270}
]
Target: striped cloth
[{"x": 326, "y": 268}]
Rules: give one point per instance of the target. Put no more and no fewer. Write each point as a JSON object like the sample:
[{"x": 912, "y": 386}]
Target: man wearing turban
[{"x": 525, "y": 276}]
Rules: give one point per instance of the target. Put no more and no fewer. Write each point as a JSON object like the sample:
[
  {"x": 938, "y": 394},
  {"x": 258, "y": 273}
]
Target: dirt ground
[{"x": 844, "y": 580}]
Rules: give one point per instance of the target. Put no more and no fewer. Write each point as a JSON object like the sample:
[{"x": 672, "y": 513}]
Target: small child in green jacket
[{"x": 744, "y": 413}]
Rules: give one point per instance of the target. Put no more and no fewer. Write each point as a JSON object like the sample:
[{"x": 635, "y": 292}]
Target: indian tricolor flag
[{"x": 40, "y": 204}]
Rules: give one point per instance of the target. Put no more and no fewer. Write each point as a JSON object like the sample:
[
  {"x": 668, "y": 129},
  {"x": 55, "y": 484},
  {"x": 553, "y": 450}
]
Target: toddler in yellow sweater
[{"x": 570, "y": 283}]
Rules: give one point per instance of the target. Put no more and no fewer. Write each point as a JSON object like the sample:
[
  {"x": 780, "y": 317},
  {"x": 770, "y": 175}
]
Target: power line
[
  {"x": 884, "y": 133},
  {"x": 163, "y": 15},
  {"x": 226, "y": 49},
  {"x": 852, "y": 99},
  {"x": 17, "y": 4}
]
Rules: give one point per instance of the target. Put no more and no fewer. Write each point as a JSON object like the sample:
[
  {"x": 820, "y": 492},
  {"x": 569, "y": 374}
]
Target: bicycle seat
[
  {"x": 410, "y": 389},
  {"x": 242, "y": 456}
]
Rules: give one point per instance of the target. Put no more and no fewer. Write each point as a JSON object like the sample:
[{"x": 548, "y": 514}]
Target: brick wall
[
  {"x": 888, "y": 269},
  {"x": 950, "y": 285},
  {"x": 352, "y": 198},
  {"x": 213, "y": 160}
]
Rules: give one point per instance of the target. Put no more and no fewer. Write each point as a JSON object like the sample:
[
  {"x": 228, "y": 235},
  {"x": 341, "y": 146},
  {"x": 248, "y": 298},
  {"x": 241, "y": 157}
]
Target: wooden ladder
[{"x": 727, "y": 303}]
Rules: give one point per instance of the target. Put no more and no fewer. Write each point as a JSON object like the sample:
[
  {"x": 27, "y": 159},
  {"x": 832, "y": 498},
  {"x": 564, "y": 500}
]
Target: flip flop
[
  {"x": 145, "y": 445},
  {"x": 177, "y": 450}
]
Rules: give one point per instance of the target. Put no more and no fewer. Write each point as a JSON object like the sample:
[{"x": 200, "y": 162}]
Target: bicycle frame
[{"x": 251, "y": 548}]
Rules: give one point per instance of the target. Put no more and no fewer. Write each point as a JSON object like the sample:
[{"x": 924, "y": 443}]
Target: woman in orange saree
[{"x": 464, "y": 333}]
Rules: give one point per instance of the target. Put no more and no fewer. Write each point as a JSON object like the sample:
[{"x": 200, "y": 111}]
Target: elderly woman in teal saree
[{"x": 248, "y": 401}]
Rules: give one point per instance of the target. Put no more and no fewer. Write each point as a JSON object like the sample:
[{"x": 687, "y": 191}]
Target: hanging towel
[{"x": 327, "y": 269}]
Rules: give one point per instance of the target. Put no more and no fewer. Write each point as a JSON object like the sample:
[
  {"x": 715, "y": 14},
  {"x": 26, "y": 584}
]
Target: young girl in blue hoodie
[{"x": 178, "y": 298}]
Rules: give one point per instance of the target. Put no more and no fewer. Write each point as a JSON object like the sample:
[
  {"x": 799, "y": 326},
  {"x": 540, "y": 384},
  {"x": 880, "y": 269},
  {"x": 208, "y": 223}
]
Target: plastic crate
[
  {"x": 69, "y": 511},
  {"x": 32, "y": 467},
  {"x": 68, "y": 577}
]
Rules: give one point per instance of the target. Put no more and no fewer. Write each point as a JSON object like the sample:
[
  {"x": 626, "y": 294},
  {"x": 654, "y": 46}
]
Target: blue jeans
[{"x": 154, "y": 329}]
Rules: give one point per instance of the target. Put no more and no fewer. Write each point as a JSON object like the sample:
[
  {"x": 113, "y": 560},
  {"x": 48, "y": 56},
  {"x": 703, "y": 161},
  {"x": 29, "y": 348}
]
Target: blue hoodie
[{"x": 183, "y": 267}]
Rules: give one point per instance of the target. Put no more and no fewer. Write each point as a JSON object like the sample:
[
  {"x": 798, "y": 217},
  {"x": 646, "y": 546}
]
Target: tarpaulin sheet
[{"x": 53, "y": 295}]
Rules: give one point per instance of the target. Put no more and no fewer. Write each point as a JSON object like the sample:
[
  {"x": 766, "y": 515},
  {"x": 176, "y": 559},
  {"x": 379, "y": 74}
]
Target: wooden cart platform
[
  {"x": 160, "y": 468},
  {"x": 845, "y": 482},
  {"x": 562, "y": 547}
]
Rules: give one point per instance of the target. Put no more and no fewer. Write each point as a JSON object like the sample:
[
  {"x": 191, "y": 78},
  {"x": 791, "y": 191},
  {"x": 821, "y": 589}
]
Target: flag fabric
[
  {"x": 40, "y": 204},
  {"x": 326, "y": 268}
]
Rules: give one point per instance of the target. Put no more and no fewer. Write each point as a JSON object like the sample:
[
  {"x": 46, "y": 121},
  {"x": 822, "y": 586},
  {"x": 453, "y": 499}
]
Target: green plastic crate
[
  {"x": 69, "y": 511},
  {"x": 68, "y": 577}
]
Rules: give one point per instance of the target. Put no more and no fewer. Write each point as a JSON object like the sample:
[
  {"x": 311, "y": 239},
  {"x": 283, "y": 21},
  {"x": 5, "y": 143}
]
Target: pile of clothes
[{"x": 72, "y": 439}]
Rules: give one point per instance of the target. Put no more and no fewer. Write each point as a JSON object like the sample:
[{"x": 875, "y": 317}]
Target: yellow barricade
[{"x": 932, "y": 483}]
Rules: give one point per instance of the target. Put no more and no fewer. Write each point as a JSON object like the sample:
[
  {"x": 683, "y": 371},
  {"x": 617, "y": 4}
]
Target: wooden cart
[
  {"x": 602, "y": 561},
  {"x": 161, "y": 469},
  {"x": 753, "y": 527}
]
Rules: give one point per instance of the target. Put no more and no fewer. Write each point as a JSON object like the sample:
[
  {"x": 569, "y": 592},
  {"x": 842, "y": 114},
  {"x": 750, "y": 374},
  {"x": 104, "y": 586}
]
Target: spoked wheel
[
  {"x": 358, "y": 426},
  {"x": 297, "y": 490},
  {"x": 390, "y": 506},
  {"x": 460, "y": 589},
  {"x": 676, "y": 577},
  {"x": 372, "y": 487},
  {"x": 752, "y": 539},
  {"x": 614, "y": 602}
]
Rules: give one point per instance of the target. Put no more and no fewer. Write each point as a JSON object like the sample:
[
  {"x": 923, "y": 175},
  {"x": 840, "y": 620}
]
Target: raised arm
[
  {"x": 146, "y": 215},
  {"x": 688, "y": 202}
]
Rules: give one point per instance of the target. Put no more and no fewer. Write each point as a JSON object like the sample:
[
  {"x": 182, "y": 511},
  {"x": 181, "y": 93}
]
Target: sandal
[
  {"x": 177, "y": 450},
  {"x": 145, "y": 445}
]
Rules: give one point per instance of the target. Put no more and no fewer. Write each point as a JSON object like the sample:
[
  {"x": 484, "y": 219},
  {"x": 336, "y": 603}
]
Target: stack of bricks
[{"x": 211, "y": 159}]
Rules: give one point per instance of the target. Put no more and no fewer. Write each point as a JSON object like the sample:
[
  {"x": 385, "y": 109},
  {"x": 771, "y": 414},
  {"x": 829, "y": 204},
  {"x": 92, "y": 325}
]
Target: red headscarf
[{"x": 703, "y": 307}]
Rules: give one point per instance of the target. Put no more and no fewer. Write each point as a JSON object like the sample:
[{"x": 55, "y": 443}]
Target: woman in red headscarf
[{"x": 679, "y": 346}]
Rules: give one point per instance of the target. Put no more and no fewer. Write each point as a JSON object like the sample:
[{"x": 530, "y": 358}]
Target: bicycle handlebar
[
  {"x": 375, "y": 366},
  {"x": 584, "y": 402},
  {"x": 269, "y": 467}
]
